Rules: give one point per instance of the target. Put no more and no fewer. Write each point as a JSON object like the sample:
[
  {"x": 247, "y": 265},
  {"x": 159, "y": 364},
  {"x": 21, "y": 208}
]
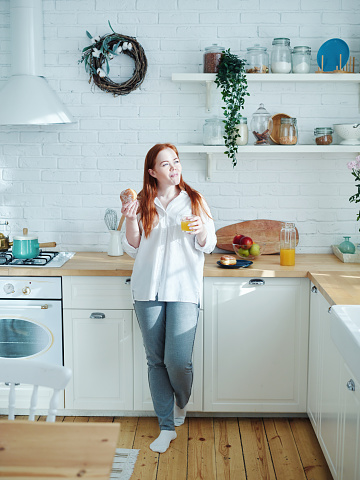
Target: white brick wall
[{"x": 58, "y": 180}]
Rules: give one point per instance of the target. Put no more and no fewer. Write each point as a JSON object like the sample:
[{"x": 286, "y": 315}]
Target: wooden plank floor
[{"x": 223, "y": 449}]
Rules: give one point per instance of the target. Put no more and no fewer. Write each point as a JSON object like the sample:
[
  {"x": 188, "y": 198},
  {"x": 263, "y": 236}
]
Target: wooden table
[{"x": 57, "y": 450}]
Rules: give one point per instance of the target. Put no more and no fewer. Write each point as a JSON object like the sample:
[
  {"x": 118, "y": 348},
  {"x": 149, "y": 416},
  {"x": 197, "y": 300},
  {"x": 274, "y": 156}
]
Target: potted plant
[{"x": 232, "y": 80}]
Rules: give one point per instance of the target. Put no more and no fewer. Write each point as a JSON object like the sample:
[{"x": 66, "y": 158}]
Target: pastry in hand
[
  {"x": 128, "y": 195},
  {"x": 227, "y": 260}
]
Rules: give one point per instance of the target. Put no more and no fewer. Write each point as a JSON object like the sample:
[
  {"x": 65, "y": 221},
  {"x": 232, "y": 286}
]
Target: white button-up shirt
[{"x": 169, "y": 263}]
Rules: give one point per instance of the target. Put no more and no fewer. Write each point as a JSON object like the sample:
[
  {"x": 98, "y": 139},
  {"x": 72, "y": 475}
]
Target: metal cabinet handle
[
  {"x": 97, "y": 315},
  {"x": 329, "y": 310},
  {"x": 256, "y": 281},
  {"x": 127, "y": 281},
  {"x": 314, "y": 289},
  {"x": 351, "y": 385}
]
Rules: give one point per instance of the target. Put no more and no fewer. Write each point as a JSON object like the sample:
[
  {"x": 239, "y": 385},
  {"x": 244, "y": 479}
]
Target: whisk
[{"x": 111, "y": 219}]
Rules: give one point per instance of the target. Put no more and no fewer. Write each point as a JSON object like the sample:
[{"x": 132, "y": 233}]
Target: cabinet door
[
  {"x": 349, "y": 463},
  {"x": 142, "y": 396},
  {"x": 255, "y": 344},
  {"x": 100, "y": 354},
  {"x": 315, "y": 344},
  {"x": 329, "y": 380}
]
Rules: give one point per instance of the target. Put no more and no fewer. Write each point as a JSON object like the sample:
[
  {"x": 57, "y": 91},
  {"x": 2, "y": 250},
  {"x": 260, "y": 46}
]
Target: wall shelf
[
  {"x": 211, "y": 150},
  {"x": 274, "y": 77}
]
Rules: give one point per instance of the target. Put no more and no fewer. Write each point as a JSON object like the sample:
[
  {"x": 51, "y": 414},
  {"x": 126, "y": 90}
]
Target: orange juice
[
  {"x": 185, "y": 225},
  {"x": 287, "y": 256}
]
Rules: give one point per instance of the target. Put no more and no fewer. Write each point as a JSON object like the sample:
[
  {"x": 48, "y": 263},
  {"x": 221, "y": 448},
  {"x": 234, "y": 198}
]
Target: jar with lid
[
  {"x": 323, "y": 135},
  {"x": 243, "y": 131},
  {"x": 212, "y": 58},
  {"x": 257, "y": 59},
  {"x": 213, "y": 131},
  {"x": 301, "y": 59},
  {"x": 287, "y": 244},
  {"x": 261, "y": 125},
  {"x": 288, "y": 131},
  {"x": 281, "y": 56}
]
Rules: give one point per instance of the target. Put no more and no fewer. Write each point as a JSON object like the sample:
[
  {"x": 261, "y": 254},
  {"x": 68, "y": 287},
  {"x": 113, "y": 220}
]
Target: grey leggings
[{"x": 168, "y": 330}]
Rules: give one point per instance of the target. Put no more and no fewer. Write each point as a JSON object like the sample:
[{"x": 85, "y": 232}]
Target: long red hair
[{"x": 146, "y": 197}]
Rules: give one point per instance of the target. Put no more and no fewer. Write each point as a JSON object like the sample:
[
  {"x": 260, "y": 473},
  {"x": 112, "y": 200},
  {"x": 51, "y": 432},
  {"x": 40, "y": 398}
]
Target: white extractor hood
[{"x": 26, "y": 98}]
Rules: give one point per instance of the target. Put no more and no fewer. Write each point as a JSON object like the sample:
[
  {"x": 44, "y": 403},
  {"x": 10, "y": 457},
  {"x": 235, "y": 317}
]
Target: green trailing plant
[{"x": 232, "y": 80}]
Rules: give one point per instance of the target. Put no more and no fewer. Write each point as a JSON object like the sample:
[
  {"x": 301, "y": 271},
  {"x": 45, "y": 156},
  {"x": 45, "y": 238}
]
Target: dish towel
[{"x": 124, "y": 463}]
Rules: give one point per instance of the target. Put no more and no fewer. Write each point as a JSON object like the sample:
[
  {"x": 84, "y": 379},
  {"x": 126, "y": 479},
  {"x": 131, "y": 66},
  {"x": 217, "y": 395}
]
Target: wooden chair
[{"x": 36, "y": 373}]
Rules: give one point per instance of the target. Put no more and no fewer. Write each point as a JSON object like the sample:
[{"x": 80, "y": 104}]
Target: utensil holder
[{"x": 115, "y": 246}]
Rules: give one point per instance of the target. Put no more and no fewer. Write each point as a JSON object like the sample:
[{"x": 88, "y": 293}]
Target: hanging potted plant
[{"x": 232, "y": 80}]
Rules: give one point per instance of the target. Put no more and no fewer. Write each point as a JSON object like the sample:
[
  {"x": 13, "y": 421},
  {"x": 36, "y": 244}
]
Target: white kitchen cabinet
[
  {"x": 98, "y": 343},
  {"x": 142, "y": 396},
  {"x": 255, "y": 344},
  {"x": 349, "y": 458}
]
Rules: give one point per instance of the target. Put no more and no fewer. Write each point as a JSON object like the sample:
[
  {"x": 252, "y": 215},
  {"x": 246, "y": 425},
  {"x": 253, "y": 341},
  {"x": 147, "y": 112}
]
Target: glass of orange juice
[
  {"x": 185, "y": 221},
  {"x": 287, "y": 244}
]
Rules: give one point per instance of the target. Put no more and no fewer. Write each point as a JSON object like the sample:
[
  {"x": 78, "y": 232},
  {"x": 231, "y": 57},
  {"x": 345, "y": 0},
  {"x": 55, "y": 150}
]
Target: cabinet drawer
[{"x": 97, "y": 293}]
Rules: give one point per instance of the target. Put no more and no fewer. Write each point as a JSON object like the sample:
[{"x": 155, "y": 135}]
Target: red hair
[{"x": 146, "y": 197}]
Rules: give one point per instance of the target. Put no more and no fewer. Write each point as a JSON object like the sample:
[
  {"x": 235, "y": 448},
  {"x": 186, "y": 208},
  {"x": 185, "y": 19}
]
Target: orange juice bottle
[{"x": 287, "y": 244}]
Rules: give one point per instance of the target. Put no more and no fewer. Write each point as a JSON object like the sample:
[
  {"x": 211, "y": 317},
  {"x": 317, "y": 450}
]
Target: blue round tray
[{"x": 331, "y": 51}]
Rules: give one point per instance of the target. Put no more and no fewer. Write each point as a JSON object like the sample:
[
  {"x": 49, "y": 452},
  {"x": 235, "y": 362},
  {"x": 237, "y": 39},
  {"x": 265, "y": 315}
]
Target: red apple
[
  {"x": 246, "y": 242},
  {"x": 237, "y": 239}
]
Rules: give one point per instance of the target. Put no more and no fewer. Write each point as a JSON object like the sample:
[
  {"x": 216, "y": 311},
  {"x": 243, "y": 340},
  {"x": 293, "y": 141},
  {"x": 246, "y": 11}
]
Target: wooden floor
[{"x": 223, "y": 448}]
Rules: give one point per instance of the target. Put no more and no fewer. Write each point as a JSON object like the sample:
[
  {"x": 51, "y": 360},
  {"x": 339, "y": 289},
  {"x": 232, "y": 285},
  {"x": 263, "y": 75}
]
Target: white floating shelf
[
  {"x": 211, "y": 150},
  {"x": 272, "y": 148},
  {"x": 273, "y": 77}
]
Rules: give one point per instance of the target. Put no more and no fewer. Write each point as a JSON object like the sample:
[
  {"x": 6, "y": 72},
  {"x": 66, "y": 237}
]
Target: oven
[{"x": 31, "y": 318}]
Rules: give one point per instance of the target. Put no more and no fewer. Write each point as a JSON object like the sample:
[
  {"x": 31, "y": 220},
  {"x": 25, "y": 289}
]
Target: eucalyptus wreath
[
  {"x": 232, "y": 80},
  {"x": 96, "y": 58}
]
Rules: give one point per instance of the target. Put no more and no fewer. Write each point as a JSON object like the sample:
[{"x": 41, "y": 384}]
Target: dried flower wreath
[{"x": 103, "y": 49}]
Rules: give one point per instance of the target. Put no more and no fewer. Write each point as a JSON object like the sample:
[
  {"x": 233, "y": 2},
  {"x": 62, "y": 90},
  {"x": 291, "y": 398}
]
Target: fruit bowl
[
  {"x": 251, "y": 253},
  {"x": 350, "y": 132}
]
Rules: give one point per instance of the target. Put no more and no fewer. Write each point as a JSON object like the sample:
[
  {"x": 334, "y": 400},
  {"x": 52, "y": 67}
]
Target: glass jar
[
  {"x": 288, "y": 131},
  {"x": 261, "y": 125},
  {"x": 301, "y": 59},
  {"x": 287, "y": 244},
  {"x": 213, "y": 131},
  {"x": 243, "y": 131},
  {"x": 257, "y": 60},
  {"x": 323, "y": 135},
  {"x": 212, "y": 57},
  {"x": 281, "y": 56},
  {"x": 346, "y": 246}
]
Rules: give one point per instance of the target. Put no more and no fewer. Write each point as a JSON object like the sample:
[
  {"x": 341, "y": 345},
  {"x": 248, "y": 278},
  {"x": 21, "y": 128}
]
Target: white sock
[
  {"x": 179, "y": 415},
  {"x": 161, "y": 444}
]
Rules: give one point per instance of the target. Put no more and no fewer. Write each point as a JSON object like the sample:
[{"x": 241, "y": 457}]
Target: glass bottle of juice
[{"x": 287, "y": 244}]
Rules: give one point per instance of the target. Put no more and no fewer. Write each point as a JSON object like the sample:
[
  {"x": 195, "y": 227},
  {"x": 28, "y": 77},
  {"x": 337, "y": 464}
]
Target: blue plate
[
  {"x": 239, "y": 264},
  {"x": 331, "y": 51}
]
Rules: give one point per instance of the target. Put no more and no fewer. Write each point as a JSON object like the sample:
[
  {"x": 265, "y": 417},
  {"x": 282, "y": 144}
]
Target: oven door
[{"x": 31, "y": 329}]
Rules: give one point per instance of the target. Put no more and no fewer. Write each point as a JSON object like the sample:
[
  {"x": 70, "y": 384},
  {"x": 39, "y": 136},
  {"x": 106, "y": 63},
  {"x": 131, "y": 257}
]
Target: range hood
[{"x": 26, "y": 98}]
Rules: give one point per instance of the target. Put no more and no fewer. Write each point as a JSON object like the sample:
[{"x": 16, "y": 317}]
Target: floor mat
[{"x": 123, "y": 465}]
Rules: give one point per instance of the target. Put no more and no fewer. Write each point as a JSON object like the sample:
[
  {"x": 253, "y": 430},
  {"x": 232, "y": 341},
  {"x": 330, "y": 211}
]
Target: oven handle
[{"x": 42, "y": 307}]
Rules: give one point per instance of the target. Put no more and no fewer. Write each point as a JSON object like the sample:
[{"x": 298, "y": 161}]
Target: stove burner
[{"x": 6, "y": 258}]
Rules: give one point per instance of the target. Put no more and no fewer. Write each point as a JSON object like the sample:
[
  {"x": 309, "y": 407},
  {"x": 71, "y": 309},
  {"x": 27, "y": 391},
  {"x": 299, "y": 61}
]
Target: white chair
[{"x": 36, "y": 373}]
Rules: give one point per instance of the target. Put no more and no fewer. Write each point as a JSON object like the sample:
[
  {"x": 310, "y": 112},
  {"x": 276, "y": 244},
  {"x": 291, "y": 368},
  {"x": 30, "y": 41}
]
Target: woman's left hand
[{"x": 197, "y": 228}]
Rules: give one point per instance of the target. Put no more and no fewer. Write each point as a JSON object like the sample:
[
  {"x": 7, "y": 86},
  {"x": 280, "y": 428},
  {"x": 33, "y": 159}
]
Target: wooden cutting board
[{"x": 258, "y": 230}]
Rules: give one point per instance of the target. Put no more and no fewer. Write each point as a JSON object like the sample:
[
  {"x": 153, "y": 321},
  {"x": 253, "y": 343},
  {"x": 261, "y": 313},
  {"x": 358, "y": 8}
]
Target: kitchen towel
[{"x": 124, "y": 463}]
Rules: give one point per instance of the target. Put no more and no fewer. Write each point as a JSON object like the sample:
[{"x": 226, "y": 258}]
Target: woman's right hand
[{"x": 130, "y": 209}]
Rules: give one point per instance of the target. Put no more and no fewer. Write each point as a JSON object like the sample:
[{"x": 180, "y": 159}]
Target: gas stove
[{"x": 44, "y": 259}]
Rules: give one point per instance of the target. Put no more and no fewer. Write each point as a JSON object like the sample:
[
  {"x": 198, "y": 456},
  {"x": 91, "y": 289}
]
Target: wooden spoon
[{"x": 121, "y": 222}]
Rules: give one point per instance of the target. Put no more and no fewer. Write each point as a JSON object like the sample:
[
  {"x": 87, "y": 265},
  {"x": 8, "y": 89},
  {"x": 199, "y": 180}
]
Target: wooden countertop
[{"x": 339, "y": 282}]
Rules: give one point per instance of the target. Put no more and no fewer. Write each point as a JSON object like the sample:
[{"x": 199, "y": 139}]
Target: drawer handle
[
  {"x": 351, "y": 385},
  {"x": 256, "y": 281},
  {"x": 97, "y": 315},
  {"x": 314, "y": 289},
  {"x": 127, "y": 281}
]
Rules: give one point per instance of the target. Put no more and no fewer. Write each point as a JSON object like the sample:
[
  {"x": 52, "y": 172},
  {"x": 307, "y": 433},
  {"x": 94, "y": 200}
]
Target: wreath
[{"x": 96, "y": 58}]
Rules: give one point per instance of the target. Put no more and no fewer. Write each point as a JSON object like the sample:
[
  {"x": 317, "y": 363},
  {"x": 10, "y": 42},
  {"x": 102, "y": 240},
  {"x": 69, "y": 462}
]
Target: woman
[{"x": 167, "y": 280}]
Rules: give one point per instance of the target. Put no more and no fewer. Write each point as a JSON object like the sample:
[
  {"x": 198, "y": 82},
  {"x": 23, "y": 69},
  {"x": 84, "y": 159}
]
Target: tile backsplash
[{"x": 58, "y": 180}]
